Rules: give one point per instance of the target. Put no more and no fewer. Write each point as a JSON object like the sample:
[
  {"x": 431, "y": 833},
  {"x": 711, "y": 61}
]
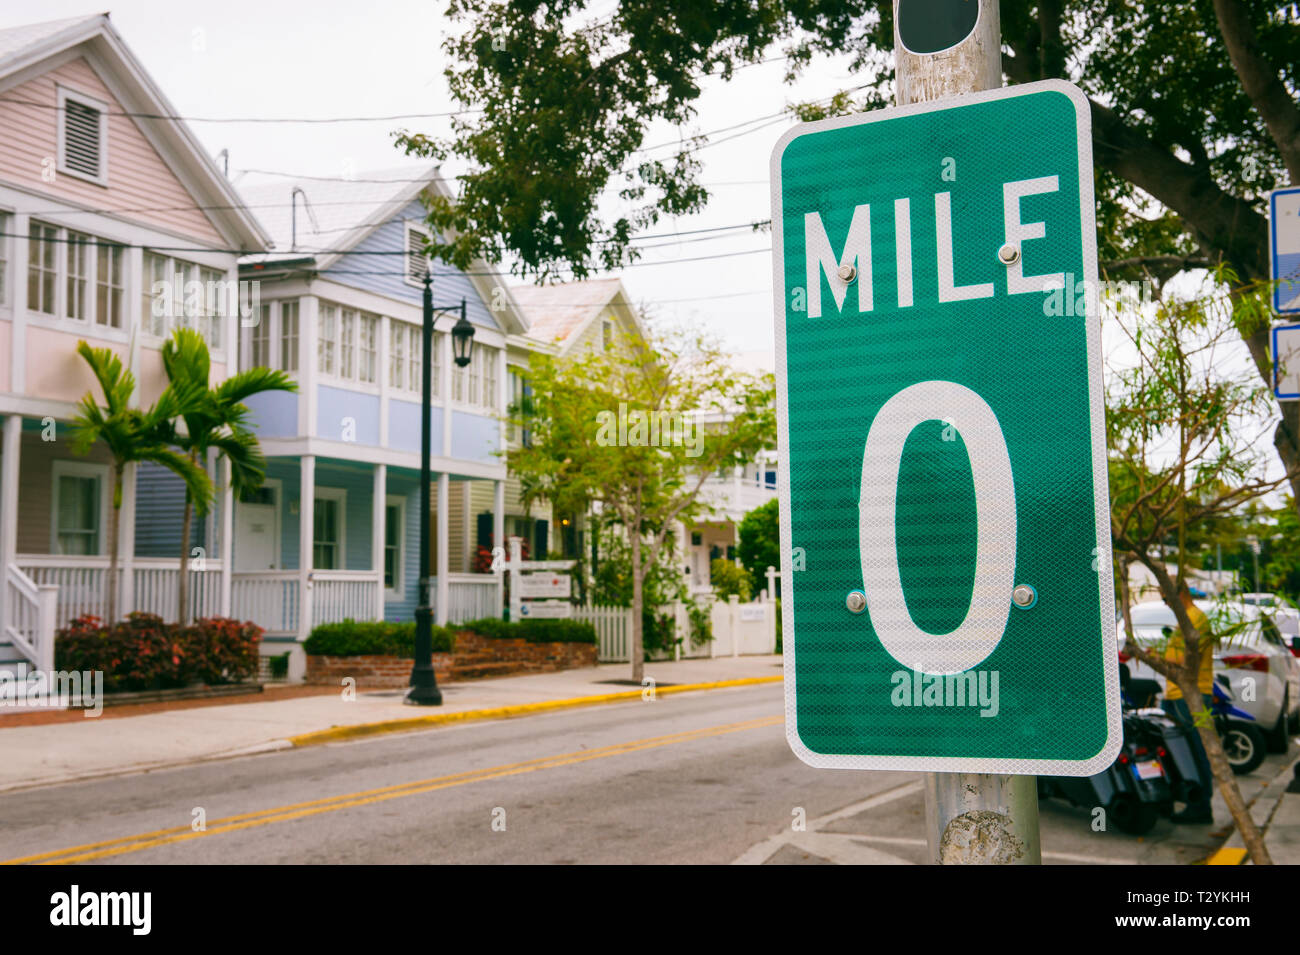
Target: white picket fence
[{"x": 738, "y": 629}]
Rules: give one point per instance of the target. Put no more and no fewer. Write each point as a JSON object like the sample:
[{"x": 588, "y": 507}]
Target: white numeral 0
[{"x": 995, "y": 503}]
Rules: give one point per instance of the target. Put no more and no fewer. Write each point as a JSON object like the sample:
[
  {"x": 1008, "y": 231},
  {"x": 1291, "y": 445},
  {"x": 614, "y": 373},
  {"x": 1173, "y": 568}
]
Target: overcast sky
[{"x": 328, "y": 59}]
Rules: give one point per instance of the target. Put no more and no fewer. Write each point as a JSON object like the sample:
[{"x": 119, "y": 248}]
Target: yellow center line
[{"x": 146, "y": 840}]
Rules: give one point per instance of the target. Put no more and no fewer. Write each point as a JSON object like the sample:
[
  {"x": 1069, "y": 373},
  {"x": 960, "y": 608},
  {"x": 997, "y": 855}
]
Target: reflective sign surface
[{"x": 942, "y": 439}]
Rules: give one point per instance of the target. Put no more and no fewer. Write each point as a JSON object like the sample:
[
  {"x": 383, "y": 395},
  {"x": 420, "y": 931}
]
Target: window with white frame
[
  {"x": 607, "y": 334},
  {"x": 406, "y": 358},
  {"x": 327, "y": 339},
  {"x": 110, "y": 285},
  {"x": 78, "y": 273},
  {"x": 417, "y": 260},
  {"x": 259, "y": 338},
  {"x": 83, "y": 136},
  {"x": 368, "y": 348},
  {"x": 42, "y": 267},
  {"x": 179, "y": 294},
  {"x": 328, "y": 528},
  {"x": 6, "y": 222},
  {"x": 347, "y": 346},
  {"x": 80, "y": 496},
  {"x": 476, "y": 384},
  {"x": 75, "y": 276},
  {"x": 394, "y": 535},
  {"x": 289, "y": 336}
]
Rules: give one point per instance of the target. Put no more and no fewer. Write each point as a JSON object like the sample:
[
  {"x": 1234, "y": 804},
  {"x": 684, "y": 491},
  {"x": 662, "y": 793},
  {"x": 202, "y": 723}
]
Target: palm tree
[
  {"x": 218, "y": 420},
  {"x": 131, "y": 435}
]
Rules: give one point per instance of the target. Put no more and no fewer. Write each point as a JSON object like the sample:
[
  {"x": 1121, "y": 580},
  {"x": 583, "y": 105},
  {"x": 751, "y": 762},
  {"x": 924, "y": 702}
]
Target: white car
[{"x": 1258, "y": 666}]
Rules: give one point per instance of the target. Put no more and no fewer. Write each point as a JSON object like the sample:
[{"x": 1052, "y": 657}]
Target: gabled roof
[
  {"x": 561, "y": 314},
  {"x": 337, "y": 214},
  {"x": 345, "y": 212},
  {"x": 25, "y": 47}
]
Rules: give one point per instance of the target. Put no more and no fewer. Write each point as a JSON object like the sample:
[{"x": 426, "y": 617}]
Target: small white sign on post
[
  {"x": 752, "y": 612},
  {"x": 545, "y": 585},
  {"x": 546, "y": 610},
  {"x": 556, "y": 582},
  {"x": 1286, "y": 362}
]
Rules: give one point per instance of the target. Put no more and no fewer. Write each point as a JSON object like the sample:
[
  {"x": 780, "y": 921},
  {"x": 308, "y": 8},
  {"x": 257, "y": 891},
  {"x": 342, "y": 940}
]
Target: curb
[
  {"x": 361, "y": 730},
  {"x": 1233, "y": 851}
]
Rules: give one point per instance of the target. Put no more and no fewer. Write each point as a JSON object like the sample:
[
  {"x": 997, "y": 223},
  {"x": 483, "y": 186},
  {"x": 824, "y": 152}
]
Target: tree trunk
[
  {"x": 110, "y": 584},
  {"x": 1223, "y": 774},
  {"x": 183, "y": 587},
  {"x": 636, "y": 650},
  {"x": 1186, "y": 677}
]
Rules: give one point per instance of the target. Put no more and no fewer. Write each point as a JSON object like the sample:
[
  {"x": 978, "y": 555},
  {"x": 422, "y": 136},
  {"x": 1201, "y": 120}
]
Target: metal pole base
[
  {"x": 424, "y": 688},
  {"x": 424, "y": 681},
  {"x": 982, "y": 819}
]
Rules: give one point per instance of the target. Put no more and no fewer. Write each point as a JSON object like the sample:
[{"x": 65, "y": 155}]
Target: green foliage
[
  {"x": 356, "y": 638},
  {"x": 132, "y": 435},
  {"x": 532, "y": 631},
  {"x": 217, "y": 417},
  {"x": 760, "y": 540},
  {"x": 561, "y": 99},
  {"x": 144, "y": 653},
  {"x": 728, "y": 579}
]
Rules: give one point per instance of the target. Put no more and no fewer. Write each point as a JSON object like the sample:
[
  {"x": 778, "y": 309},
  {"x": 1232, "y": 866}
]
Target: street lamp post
[{"x": 424, "y": 682}]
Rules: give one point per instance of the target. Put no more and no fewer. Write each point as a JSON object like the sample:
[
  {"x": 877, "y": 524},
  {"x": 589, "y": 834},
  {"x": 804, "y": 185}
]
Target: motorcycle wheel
[
  {"x": 1133, "y": 817},
  {"x": 1245, "y": 746}
]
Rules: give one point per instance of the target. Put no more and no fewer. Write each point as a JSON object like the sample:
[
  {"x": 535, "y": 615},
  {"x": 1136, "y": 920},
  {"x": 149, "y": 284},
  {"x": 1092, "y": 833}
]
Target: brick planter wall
[
  {"x": 475, "y": 656},
  {"x": 371, "y": 671}
]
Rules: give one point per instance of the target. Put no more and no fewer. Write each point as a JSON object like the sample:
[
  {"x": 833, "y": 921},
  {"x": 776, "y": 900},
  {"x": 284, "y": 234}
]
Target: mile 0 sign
[{"x": 946, "y": 581}]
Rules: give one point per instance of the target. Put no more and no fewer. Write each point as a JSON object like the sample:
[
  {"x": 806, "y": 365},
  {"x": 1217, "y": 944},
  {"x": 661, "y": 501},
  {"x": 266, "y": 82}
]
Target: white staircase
[{"x": 27, "y": 618}]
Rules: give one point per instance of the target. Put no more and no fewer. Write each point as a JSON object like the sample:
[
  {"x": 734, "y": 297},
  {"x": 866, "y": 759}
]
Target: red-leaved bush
[{"x": 144, "y": 653}]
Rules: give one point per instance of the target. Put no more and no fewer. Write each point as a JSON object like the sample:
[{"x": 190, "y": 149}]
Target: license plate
[{"x": 1151, "y": 769}]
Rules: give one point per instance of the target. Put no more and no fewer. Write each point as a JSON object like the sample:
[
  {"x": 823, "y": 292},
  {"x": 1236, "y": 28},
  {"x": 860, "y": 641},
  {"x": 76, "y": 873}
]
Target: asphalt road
[{"x": 696, "y": 778}]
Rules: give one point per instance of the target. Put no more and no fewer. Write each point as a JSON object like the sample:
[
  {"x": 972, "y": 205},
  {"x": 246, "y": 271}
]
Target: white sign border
[
  {"x": 1101, "y": 490},
  {"x": 1272, "y": 250}
]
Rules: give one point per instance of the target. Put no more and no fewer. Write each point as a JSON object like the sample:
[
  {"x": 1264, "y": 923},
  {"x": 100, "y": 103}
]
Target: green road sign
[{"x": 946, "y": 574}]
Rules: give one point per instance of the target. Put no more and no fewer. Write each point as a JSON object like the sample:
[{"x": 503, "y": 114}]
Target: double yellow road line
[{"x": 265, "y": 817}]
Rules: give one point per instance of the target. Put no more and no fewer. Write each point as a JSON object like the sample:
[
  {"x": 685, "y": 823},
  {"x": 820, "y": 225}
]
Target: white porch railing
[
  {"x": 155, "y": 589},
  {"x": 342, "y": 595},
  {"x": 82, "y": 583},
  {"x": 269, "y": 598},
  {"x": 29, "y": 618},
  {"x": 472, "y": 597}
]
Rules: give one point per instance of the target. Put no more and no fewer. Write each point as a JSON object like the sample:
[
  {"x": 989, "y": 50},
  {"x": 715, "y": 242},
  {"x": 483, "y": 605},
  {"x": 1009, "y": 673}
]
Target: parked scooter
[{"x": 1155, "y": 767}]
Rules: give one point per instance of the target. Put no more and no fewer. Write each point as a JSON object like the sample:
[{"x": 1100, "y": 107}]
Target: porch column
[
  {"x": 13, "y": 429},
  {"x": 440, "y": 605},
  {"x": 378, "y": 522},
  {"x": 227, "y": 537},
  {"x": 499, "y": 533},
  {"x": 306, "y": 533},
  {"x": 126, "y": 544}
]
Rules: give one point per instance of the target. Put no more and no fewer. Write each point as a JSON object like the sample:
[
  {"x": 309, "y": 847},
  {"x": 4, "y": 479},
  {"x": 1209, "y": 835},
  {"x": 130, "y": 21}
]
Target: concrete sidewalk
[
  {"x": 61, "y": 752},
  {"x": 1278, "y": 811}
]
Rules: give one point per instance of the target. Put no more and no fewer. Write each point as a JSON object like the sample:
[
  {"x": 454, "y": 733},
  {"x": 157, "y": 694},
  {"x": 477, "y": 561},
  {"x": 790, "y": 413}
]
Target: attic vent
[
  {"x": 81, "y": 137},
  {"x": 417, "y": 263}
]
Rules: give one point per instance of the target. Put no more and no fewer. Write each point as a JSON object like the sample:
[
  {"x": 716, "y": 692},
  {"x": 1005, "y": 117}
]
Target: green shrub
[
  {"x": 144, "y": 653},
  {"x": 533, "y": 631},
  {"x": 358, "y": 638},
  {"x": 728, "y": 579}
]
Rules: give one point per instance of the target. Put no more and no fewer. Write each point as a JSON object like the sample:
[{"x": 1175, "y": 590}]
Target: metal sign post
[
  {"x": 970, "y": 817},
  {"x": 942, "y": 426}
]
